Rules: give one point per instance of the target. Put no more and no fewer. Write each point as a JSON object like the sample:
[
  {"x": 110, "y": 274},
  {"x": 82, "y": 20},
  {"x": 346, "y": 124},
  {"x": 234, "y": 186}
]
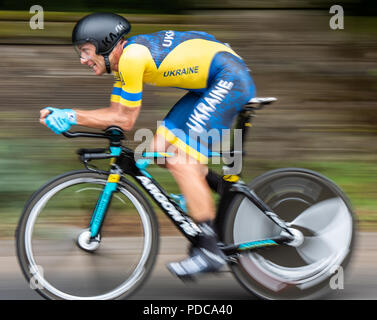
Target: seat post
[{"x": 243, "y": 123}]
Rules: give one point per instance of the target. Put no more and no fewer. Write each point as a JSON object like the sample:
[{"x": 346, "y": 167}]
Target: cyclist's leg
[
  {"x": 194, "y": 187},
  {"x": 190, "y": 175}
]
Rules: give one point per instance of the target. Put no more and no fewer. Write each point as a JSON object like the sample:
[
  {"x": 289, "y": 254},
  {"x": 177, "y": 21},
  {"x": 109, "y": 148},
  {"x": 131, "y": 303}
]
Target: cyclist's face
[{"x": 89, "y": 57}]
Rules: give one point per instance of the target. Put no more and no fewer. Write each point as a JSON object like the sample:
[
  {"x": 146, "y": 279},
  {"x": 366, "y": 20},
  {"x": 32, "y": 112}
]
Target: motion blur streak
[{"x": 325, "y": 80}]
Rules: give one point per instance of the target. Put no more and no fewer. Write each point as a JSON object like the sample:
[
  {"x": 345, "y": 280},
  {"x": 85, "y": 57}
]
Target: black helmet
[{"x": 103, "y": 30}]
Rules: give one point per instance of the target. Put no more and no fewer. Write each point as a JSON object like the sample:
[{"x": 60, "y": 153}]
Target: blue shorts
[{"x": 196, "y": 122}]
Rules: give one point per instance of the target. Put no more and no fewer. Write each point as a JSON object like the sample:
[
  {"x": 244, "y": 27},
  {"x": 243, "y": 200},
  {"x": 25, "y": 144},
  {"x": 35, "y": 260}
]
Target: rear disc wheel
[{"x": 309, "y": 203}]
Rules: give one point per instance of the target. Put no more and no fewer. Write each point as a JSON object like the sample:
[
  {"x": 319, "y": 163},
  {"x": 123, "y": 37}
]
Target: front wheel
[
  {"x": 53, "y": 245},
  {"x": 315, "y": 206}
]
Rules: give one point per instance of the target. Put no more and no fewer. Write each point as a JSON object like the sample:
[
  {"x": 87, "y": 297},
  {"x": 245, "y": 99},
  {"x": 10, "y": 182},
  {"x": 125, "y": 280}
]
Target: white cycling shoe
[{"x": 205, "y": 258}]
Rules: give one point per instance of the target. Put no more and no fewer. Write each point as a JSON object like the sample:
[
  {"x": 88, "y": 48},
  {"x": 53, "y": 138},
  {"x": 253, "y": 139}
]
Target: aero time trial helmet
[{"x": 103, "y": 30}]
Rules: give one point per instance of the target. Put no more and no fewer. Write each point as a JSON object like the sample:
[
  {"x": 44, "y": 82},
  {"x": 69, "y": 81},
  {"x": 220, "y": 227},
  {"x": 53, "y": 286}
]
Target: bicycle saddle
[{"x": 260, "y": 100}]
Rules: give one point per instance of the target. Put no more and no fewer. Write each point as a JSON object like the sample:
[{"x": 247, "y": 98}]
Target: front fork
[
  {"x": 104, "y": 200},
  {"x": 103, "y": 204}
]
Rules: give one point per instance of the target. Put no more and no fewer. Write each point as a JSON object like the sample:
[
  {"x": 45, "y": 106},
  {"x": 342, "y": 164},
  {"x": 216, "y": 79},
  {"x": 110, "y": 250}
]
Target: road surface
[{"x": 361, "y": 277}]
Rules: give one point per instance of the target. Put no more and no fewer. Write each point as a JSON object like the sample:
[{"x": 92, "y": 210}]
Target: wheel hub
[
  {"x": 86, "y": 242},
  {"x": 298, "y": 239}
]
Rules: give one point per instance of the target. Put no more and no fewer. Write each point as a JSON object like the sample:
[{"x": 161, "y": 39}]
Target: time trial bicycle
[{"x": 93, "y": 234}]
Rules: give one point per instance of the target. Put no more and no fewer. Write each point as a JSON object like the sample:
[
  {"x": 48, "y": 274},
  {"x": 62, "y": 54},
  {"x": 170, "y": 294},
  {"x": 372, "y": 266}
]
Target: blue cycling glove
[{"x": 60, "y": 120}]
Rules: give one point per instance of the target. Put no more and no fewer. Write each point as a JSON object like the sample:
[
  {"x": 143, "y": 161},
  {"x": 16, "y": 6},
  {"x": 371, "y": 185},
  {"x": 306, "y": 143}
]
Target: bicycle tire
[
  {"x": 248, "y": 269},
  {"x": 38, "y": 203}
]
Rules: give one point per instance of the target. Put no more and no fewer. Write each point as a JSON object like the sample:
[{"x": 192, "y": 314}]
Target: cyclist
[{"x": 218, "y": 84}]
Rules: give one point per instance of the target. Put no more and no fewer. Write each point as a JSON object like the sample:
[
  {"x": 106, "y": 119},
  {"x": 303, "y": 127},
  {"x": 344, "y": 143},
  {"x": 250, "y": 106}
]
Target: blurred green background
[{"x": 325, "y": 80}]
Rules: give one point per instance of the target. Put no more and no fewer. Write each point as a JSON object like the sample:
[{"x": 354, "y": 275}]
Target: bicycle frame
[
  {"x": 123, "y": 163},
  {"x": 182, "y": 221},
  {"x": 126, "y": 164}
]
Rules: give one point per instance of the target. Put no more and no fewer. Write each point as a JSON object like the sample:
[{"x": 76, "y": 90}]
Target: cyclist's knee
[
  {"x": 178, "y": 163},
  {"x": 183, "y": 164}
]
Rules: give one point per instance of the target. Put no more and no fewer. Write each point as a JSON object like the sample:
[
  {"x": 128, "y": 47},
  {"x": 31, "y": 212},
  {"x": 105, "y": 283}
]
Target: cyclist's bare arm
[{"x": 115, "y": 115}]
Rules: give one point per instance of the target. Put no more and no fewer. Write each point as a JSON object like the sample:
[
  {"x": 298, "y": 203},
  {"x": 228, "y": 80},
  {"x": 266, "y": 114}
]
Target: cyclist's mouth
[{"x": 93, "y": 67}]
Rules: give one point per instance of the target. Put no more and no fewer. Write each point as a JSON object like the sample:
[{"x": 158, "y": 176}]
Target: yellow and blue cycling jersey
[
  {"x": 218, "y": 81},
  {"x": 166, "y": 59}
]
